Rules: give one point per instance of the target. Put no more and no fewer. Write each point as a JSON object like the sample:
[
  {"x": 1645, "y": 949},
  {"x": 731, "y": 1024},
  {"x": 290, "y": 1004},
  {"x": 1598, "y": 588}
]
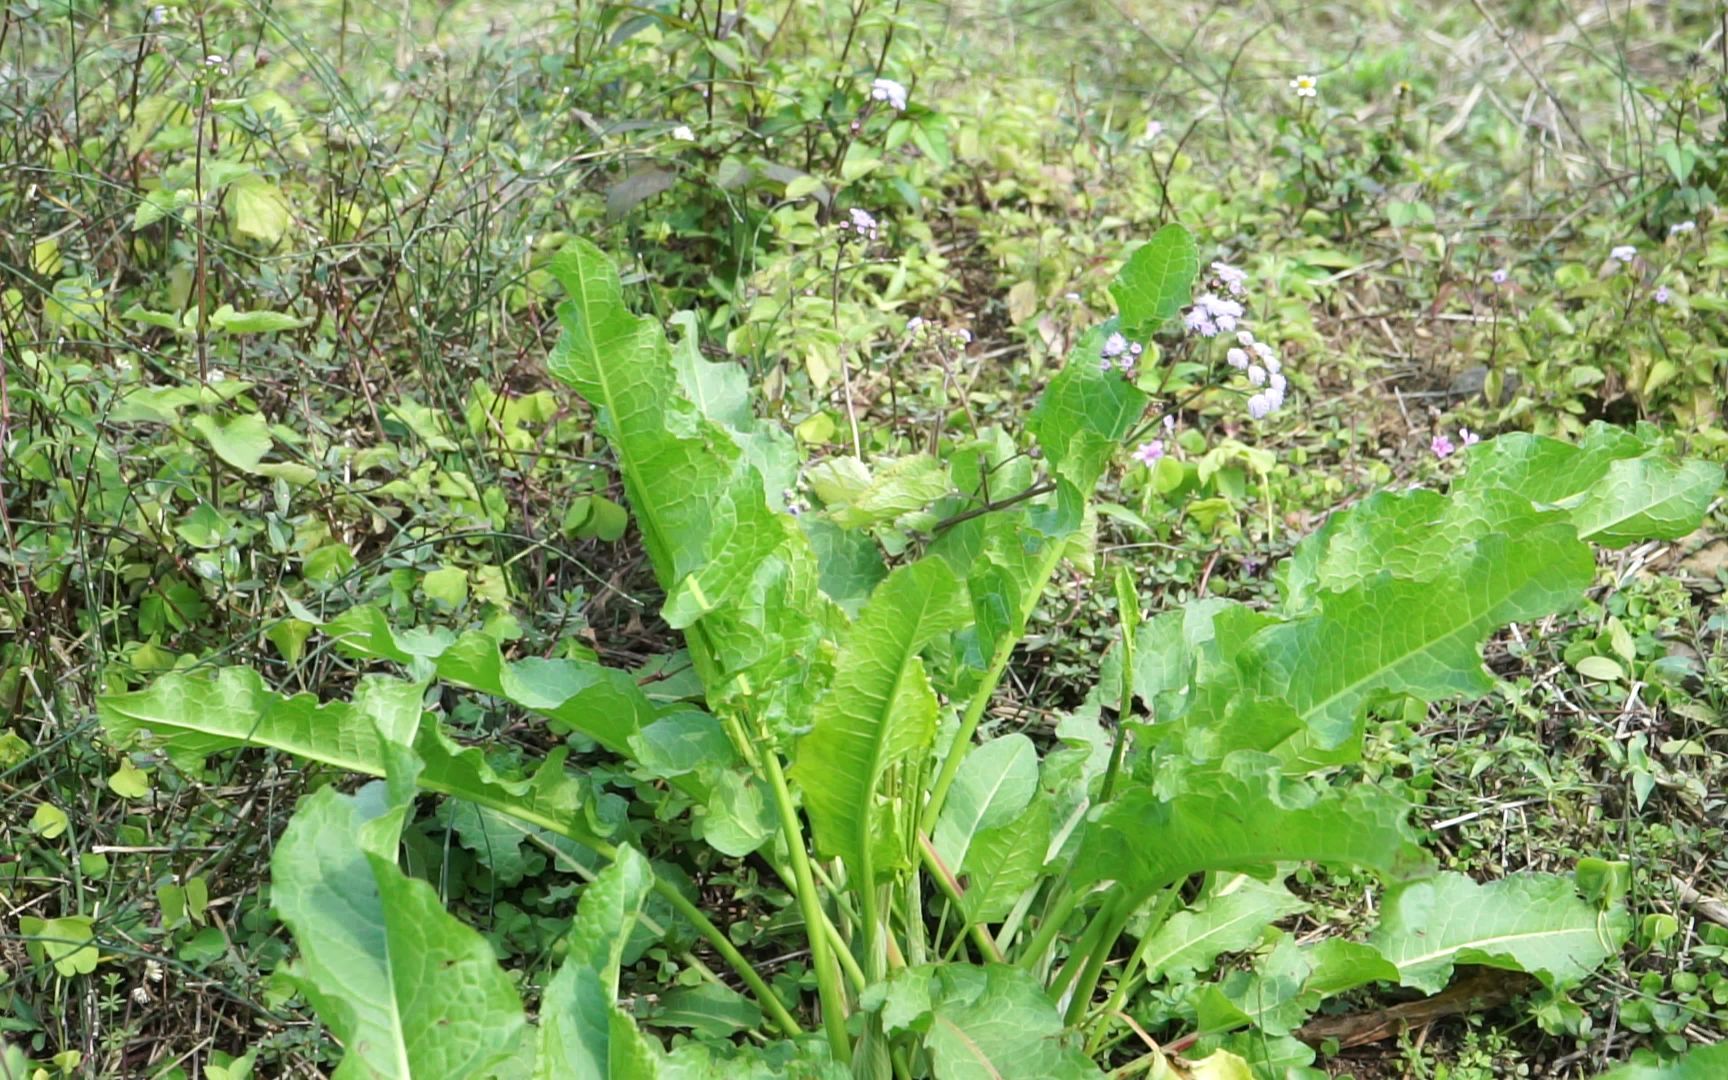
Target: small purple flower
[
  {"x": 1237, "y": 359},
  {"x": 1681, "y": 228},
  {"x": 1499, "y": 276},
  {"x": 1468, "y": 437},
  {"x": 890, "y": 91},
  {"x": 1624, "y": 253},
  {"x": 1259, "y": 405},
  {"x": 1154, "y": 128},
  {"x": 1256, "y": 374},
  {"x": 1230, "y": 277},
  {"x": 1197, "y": 320},
  {"x": 1222, "y": 313},
  {"x": 1149, "y": 452},
  {"x": 1661, "y": 295},
  {"x": 1441, "y": 446},
  {"x": 861, "y": 222},
  {"x": 1114, "y": 345}
]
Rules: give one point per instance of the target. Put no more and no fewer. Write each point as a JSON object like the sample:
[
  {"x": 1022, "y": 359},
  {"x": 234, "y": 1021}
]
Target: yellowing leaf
[{"x": 257, "y": 210}]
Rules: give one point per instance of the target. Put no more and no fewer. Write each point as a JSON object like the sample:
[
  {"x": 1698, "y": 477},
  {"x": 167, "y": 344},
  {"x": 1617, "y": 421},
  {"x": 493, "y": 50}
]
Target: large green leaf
[
  {"x": 1699, "y": 1063},
  {"x": 583, "y": 1032},
  {"x": 1157, "y": 281},
  {"x": 984, "y": 1023},
  {"x": 406, "y": 987},
  {"x": 740, "y": 579},
  {"x": 1231, "y": 919},
  {"x": 1003, "y": 862},
  {"x": 1614, "y": 484},
  {"x": 1242, "y": 815},
  {"x": 192, "y": 716},
  {"x": 858, "y": 496},
  {"x": 1300, "y": 688},
  {"x": 1535, "y": 923},
  {"x": 879, "y": 711},
  {"x": 993, "y": 786},
  {"x": 1080, "y": 422}
]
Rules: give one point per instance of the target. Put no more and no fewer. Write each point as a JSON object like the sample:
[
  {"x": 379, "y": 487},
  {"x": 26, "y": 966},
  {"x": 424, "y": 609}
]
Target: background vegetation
[{"x": 275, "y": 307}]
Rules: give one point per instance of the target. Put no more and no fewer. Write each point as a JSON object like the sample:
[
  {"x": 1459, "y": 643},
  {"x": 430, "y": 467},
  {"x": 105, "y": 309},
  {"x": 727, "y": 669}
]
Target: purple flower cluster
[
  {"x": 861, "y": 222},
  {"x": 1443, "y": 447},
  {"x": 1118, "y": 352}
]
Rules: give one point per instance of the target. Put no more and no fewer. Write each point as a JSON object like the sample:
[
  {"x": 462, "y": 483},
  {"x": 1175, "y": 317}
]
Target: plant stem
[
  {"x": 1112, "y": 918},
  {"x": 981, "y": 697},
  {"x": 1119, "y": 748},
  {"x": 1126, "y": 984},
  {"x": 951, "y": 889},
  {"x": 828, "y": 988},
  {"x": 1054, "y": 919}
]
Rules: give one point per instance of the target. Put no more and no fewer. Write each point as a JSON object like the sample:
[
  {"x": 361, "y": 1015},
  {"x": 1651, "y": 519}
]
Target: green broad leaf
[
  {"x": 992, "y": 787},
  {"x": 404, "y": 986},
  {"x": 1535, "y": 923},
  {"x": 582, "y": 1031},
  {"x": 880, "y": 711},
  {"x": 241, "y": 441},
  {"x": 48, "y": 821},
  {"x": 602, "y": 703},
  {"x": 1388, "y": 636},
  {"x": 494, "y": 838},
  {"x": 1080, "y": 422},
  {"x": 721, "y": 392},
  {"x": 1243, "y": 815},
  {"x": 1231, "y": 919},
  {"x": 257, "y": 210},
  {"x": 850, "y": 560},
  {"x": 741, "y": 580},
  {"x": 1002, "y": 862},
  {"x": 1612, "y": 483},
  {"x": 69, "y": 943},
  {"x": 858, "y": 497},
  {"x": 984, "y": 1023},
  {"x": 1698, "y": 1063},
  {"x": 1289, "y": 984},
  {"x": 190, "y": 717},
  {"x": 739, "y": 815},
  {"x": 710, "y": 1010},
  {"x": 1156, "y": 282},
  {"x": 229, "y": 321}
]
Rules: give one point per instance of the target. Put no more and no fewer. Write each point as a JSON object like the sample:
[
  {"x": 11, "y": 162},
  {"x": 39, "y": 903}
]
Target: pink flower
[
  {"x": 1468, "y": 437},
  {"x": 1442, "y": 447},
  {"x": 1149, "y": 452},
  {"x": 1499, "y": 276},
  {"x": 1661, "y": 295}
]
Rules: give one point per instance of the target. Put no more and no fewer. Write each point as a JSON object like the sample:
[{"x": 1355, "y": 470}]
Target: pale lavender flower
[
  {"x": 1256, "y": 374},
  {"x": 1197, "y": 320},
  {"x": 1259, "y": 405},
  {"x": 1468, "y": 437},
  {"x": 1220, "y": 312},
  {"x": 1441, "y": 446},
  {"x": 1230, "y": 277},
  {"x": 1661, "y": 295},
  {"x": 1681, "y": 228},
  {"x": 890, "y": 91},
  {"x": 1149, "y": 452},
  {"x": 1237, "y": 359},
  {"x": 1499, "y": 276},
  {"x": 1623, "y": 253},
  {"x": 1114, "y": 345},
  {"x": 682, "y": 133},
  {"x": 1169, "y": 422},
  {"x": 1154, "y": 129},
  {"x": 861, "y": 222},
  {"x": 1246, "y": 337}
]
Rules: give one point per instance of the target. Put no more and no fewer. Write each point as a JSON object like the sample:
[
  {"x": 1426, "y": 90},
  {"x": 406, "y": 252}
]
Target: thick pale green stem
[
  {"x": 981, "y": 697},
  {"x": 828, "y": 987},
  {"x": 1054, "y": 919},
  {"x": 1112, "y": 919},
  {"x": 951, "y": 889}
]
